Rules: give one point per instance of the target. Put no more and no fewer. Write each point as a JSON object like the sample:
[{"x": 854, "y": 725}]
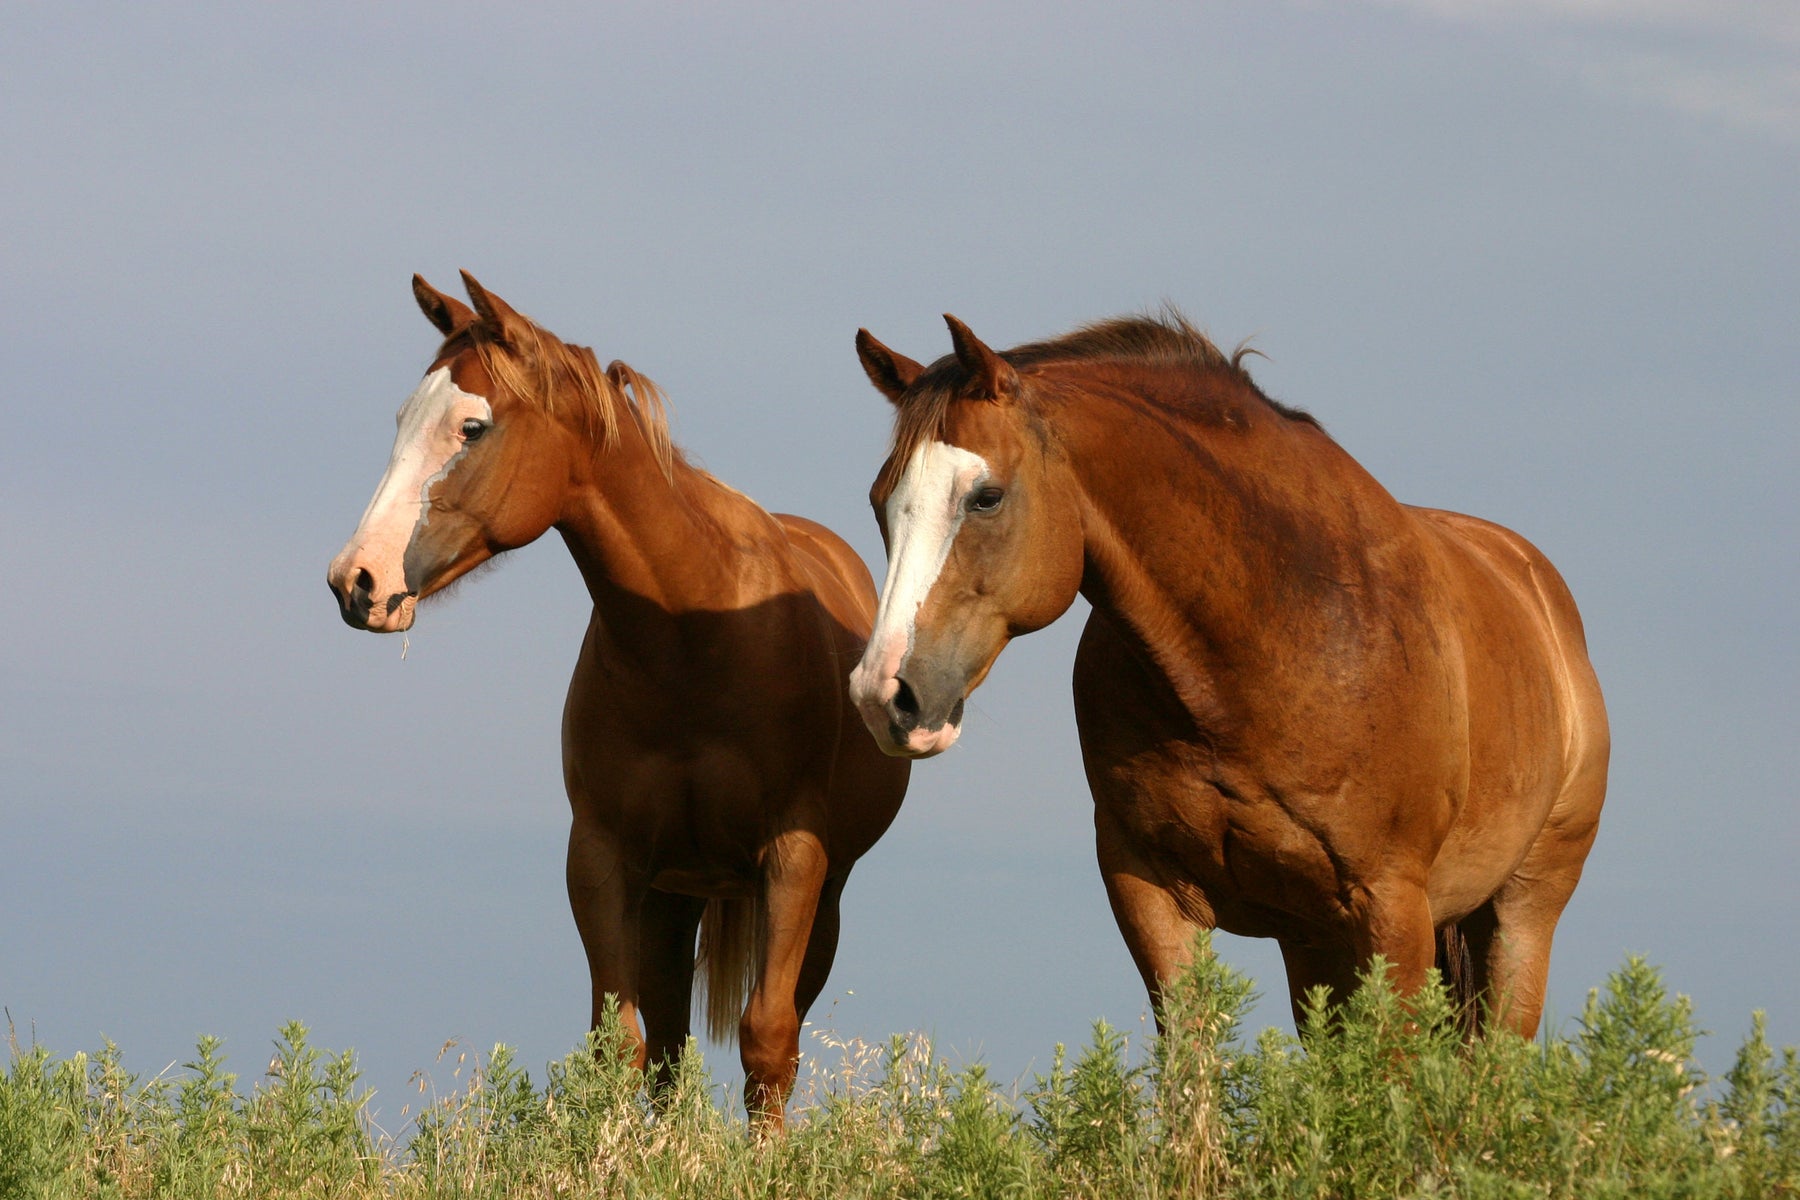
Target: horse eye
[
  {"x": 986, "y": 500},
  {"x": 473, "y": 428}
]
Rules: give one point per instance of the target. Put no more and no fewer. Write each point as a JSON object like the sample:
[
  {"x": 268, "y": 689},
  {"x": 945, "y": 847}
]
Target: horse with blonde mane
[
  {"x": 1307, "y": 711},
  {"x": 720, "y": 783}
]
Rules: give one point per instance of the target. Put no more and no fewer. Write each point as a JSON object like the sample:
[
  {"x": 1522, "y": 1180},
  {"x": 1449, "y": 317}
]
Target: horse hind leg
[
  {"x": 666, "y": 928},
  {"x": 1509, "y": 941},
  {"x": 1510, "y": 936}
]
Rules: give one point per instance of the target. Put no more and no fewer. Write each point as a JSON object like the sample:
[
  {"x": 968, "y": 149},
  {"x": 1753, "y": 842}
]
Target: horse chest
[{"x": 1233, "y": 857}]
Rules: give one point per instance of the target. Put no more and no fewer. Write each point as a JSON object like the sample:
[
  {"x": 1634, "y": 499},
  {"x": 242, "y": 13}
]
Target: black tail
[{"x": 1457, "y": 966}]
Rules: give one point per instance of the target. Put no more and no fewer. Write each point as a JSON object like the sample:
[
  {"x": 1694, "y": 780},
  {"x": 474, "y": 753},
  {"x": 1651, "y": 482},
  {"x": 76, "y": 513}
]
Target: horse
[
  {"x": 718, "y": 776},
  {"x": 1306, "y": 711}
]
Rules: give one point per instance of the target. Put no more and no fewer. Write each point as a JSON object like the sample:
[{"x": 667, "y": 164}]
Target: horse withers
[
  {"x": 720, "y": 782},
  {"x": 1306, "y": 711}
]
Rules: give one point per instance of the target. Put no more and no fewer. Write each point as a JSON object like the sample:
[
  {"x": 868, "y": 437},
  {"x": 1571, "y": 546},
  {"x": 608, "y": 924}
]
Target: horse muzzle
[
  {"x": 907, "y": 715},
  {"x": 365, "y": 604}
]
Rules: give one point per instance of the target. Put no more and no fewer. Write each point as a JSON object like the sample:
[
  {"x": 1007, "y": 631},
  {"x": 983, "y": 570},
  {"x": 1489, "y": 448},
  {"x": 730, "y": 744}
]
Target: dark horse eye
[
  {"x": 472, "y": 429},
  {"x": 986, "y": 500}
]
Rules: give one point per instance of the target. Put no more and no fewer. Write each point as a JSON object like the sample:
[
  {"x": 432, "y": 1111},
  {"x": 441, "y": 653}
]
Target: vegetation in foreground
[{"x": 1381, "y": 1100}]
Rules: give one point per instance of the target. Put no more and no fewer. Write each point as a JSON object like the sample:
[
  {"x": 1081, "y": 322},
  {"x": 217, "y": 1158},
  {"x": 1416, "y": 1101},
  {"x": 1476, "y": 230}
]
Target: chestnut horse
[
  {"x": 1307, "y": 711},
  {"x": 719, "y": 777}
]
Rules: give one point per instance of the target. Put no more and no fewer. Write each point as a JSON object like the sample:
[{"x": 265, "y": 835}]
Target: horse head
[
  {"x": 983, "y": 533},
  {"x": 474, "y": 471}
]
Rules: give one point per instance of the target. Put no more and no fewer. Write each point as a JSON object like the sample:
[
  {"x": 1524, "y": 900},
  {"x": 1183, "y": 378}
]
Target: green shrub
[{"x": 1380, "y": 1098}]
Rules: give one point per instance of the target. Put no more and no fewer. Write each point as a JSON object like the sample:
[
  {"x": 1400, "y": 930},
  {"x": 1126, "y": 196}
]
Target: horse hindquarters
[
  {"x": 1509, "y": 937},
  {"x": 1539, "y": 746}
]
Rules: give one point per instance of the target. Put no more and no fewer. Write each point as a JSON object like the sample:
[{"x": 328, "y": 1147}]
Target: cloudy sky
[{"x": 1535, "y": 261}]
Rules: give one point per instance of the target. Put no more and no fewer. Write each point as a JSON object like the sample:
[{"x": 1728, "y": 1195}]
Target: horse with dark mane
[
  {"x": 1307, "y": 711},
  {"x": 718, "y": 775}
]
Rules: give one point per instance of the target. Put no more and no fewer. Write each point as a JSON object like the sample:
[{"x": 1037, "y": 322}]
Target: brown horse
[
  {"x": 1307, "y": 711},
  {"x": 719, "y": 777}
]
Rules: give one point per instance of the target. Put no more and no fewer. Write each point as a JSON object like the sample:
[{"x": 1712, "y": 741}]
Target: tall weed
[{"x": 1381, "y": 1097}]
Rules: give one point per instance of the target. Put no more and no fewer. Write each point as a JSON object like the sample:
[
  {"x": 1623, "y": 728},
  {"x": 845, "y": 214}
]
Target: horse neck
[
  {"x": 640, "y": 535},
  {"x": 1263, "y": 536}
]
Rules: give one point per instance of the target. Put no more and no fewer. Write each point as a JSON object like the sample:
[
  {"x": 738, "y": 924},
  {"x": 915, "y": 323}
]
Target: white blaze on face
[
  {"x": 924, "y": 513},
  {"x": 428, "y": 442}
]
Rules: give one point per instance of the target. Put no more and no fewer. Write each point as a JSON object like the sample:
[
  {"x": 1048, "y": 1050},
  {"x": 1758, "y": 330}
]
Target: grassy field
[{"x": 1383, "y": 1100}]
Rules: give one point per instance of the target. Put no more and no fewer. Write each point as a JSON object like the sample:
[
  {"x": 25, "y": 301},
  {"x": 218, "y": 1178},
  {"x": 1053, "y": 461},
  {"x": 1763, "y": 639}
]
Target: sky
[{"x": 1533, "y": 261}]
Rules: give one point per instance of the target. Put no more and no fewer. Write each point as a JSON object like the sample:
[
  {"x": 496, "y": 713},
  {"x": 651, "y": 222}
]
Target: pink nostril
[{"x": 364, "y": 584}]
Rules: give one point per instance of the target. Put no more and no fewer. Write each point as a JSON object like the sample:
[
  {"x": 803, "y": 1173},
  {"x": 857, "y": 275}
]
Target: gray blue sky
[{"x": 1535, "y": 261}]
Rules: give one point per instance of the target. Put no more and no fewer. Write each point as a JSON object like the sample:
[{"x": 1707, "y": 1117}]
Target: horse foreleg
[
  {"x": 606, "y": 916},
  {"x": 1309, "y": 967},
  {"x": 666, "y": 928},
  {"x": 1394, "y": 922},
  {"x": 769, "y": 1034},
  {"x": 821, "y": 947},
  {"x": 1158, "y": 933}
]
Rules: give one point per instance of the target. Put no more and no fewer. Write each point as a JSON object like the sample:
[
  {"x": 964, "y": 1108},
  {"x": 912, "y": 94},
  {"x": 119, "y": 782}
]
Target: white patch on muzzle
[{"x": 924, "y": 514}]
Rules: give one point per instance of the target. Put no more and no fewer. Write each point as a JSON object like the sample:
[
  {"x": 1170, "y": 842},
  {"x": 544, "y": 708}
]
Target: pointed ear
[
  {"x": 990, "y": 376},
  {"x": 495, "y": 313},
  {"x": 891, "y": 373},
  {"x": 446, "y": 312}
]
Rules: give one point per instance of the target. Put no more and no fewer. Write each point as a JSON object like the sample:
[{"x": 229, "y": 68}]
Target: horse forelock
[
  {"x": 566, "y": 381},
  {"x": 1166, "y": 339}
]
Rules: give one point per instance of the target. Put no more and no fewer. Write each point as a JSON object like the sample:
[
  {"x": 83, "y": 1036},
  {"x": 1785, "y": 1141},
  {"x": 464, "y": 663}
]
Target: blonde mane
[{"x": 566, "y": 381}]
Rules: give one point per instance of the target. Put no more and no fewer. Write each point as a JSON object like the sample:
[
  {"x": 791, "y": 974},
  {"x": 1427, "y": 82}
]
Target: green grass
[{"x": 1382, "y": 1099}]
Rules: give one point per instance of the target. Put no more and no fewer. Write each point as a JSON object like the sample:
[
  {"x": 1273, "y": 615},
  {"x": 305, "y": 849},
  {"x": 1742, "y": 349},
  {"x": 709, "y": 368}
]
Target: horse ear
[
  {"x": 891, "y": 373},
  {"x": 495, "y": 313},
  {"x": 446, "y": 312},
  {"x": 992, "y": 376}
]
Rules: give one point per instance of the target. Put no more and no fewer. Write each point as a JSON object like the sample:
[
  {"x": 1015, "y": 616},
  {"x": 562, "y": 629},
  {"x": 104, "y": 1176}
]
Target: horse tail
[
  {"x": 1457, "y": 966},
  {"x": 731, "y": 951}
]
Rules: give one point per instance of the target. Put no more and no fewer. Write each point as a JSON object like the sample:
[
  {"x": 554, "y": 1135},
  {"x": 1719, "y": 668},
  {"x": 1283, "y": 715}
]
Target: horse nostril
[
  {"x": 364, "y": 583},
  {"x": 905, "y": 701}
]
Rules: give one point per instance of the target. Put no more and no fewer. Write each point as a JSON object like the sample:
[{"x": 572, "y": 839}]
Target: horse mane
[
  {"x": 1164, "y": 339},
  {"x": 566, "y": 381}
]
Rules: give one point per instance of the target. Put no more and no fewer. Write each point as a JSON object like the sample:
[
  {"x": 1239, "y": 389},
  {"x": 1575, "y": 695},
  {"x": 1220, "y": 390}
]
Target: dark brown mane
[
  {"x": 1167, "y": 339},
  {"x": 567, "y": 382}
]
